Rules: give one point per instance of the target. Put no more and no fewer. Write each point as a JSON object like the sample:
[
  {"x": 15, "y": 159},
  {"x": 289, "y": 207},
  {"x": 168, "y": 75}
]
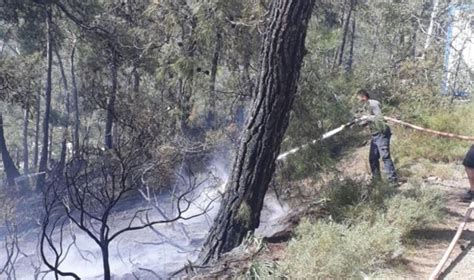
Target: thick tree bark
[
  {"x": 43, "y": 164},
  {"x": 9, "y": 166},
  {"x": 254, "y": 165},
  {"x": 75, "y": 97},
  {"x": 109, "y": 123},
  {"x": 26, "y": 163}
]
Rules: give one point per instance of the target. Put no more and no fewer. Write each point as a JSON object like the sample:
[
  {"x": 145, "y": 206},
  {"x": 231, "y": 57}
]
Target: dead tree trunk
[
  {"x": 9, "y": 166},
  {"x": 254, "y": 164},
  {"x": 43, "y": 164}
]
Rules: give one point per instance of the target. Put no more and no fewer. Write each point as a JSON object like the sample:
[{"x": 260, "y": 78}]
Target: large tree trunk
[
  {"x": 75, "y": 97},
  {"x": 43, "y": 164},
  {"x": 9, "y": 166},
  {"x": 254, "y": 165}
]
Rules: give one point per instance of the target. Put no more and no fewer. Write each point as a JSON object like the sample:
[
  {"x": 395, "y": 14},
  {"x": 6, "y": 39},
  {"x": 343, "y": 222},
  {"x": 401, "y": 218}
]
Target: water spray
[{"x": 326, "y": 135}]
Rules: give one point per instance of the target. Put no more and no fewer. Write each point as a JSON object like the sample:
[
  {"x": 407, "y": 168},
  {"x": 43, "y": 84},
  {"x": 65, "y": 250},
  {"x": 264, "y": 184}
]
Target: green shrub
[
  {"x": 365, "y": 233},
  {"x": 411, "y": 145},
  {"x": 349, "y": 199},
  {"x": 327, "y": 250},
  {"x": 341, "y": 194},
  {"x": 415, "y": 209}
]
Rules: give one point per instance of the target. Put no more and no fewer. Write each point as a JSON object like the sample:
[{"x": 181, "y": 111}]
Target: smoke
[{"x": 149, "y": 253}]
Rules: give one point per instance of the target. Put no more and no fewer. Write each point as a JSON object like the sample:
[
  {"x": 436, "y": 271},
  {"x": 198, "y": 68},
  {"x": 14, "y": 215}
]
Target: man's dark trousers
[{"x": 380, "y": 148}]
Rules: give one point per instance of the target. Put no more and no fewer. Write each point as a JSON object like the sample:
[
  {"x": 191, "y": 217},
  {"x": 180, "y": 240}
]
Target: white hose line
[
  {"x": 435, "y": 132},
  {"x": 437, "y": 272},
  {"x": 393, "y": 120}
]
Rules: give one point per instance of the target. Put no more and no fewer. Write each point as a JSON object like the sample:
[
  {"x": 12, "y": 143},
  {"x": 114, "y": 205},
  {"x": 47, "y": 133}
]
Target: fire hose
[
  {"x": 435, "y": 132},
  {"x": 437, "y": 272},
  {"x": 389, "y": 119},
  {"x": 325, "y": 136}
]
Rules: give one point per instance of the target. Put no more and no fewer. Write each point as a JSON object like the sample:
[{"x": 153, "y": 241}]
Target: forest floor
[{"x": 427, "y": 246}]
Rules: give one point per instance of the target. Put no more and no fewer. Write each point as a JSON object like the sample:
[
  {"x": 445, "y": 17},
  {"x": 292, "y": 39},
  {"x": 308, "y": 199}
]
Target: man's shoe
[{"x": 468, "y": 197}]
